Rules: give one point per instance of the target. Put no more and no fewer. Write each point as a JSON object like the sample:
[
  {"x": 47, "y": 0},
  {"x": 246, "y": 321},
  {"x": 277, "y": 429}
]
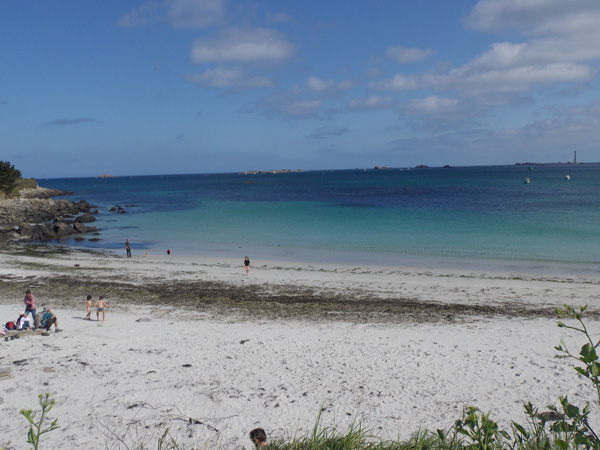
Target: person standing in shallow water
[
  {"x": 247, "y": 264},
  {"x": 128, "y": 248}
]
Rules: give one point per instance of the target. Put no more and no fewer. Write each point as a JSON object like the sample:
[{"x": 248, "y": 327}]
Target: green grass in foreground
[{"x": 562, "y": 427}]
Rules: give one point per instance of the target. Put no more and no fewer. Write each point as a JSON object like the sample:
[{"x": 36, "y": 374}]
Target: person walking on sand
[
  {"x": 29, "y": 301},
  {"x": 128, "y": 248},
  {"x": 101, "y": 304},
  {"x": 88, "y": 305},
  {"x": 247, "y": 264}
]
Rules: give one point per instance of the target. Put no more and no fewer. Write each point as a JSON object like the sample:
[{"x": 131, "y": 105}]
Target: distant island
[
  {"x": 255, "y": 172},
  {"x": 105, "y": 175},
  {"x": 551, "y": 163}
]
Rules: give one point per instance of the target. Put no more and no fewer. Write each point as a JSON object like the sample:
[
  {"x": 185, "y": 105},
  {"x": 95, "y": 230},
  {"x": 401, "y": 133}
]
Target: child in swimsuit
[
  {"x": 88, "y": 304},
  {"x": 101, "y": 304}
]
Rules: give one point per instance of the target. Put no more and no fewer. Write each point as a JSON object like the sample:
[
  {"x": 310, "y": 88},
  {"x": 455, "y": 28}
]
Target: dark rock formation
[
  {"x": 81, "y": 228},
  {"x": 36, "y": 217},
  {"x": 85, "y": 218}
]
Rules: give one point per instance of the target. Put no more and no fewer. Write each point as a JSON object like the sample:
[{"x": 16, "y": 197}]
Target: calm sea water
[{"x": 477, "y": 217}]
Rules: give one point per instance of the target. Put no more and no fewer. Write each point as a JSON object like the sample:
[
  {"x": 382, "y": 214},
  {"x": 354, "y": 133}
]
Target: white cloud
[
  {"x": 536, "y": 52},
  {"x": 178, "y": 13},
  {"x": 433, "y": 105},
  {"x": 233, "y": 78},
  {"x": 564, "y": 41},
  {"x": 576, "y": 128},
  {"x": 536, "y": 17},
  {"x": 317, "y": 84},
  {"x": 248, "y": 45},
  {"x": 194, "y": 13},
  {"x": 398, "y": 83},
  {"x": 370, "y": 102},
  {"x": 406, "y": 55},
  {"x": 562, "y": 32},
  {"x": 346, "y": 84},
  {"x": 140, "y": 16}
]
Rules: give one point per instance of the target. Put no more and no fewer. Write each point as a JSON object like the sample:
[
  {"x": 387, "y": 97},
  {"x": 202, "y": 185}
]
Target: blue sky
[{"x": 198, "y": 86}]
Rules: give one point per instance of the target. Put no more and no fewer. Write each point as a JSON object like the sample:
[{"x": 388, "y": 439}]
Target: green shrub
[
  {"x": 8, "y": 177},
  {"x": 26, "y": 183}
]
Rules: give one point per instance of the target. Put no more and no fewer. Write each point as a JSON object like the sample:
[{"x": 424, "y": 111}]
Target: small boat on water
[
  {"x": 568, "y": 177},
  {"x": 527, "y": 181}
]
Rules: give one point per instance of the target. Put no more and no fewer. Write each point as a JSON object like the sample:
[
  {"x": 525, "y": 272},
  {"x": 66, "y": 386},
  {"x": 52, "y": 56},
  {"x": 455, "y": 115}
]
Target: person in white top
[{"x": 23, "y": 322}]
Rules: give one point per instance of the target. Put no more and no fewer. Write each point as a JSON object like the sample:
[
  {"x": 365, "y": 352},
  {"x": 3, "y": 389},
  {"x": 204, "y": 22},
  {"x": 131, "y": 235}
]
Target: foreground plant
[
  {"x": 167, "y": 442},
  {"x": 36, "y": 428},
  {"x": 587, "y": 355},
  {"x": 574, "y": 421}
]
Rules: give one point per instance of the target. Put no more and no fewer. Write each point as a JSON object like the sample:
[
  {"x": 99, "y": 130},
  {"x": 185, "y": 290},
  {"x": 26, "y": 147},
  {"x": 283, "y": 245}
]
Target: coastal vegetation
[
  {"x": 566, "y": 426},
  {"x": 8, "y": 178}
]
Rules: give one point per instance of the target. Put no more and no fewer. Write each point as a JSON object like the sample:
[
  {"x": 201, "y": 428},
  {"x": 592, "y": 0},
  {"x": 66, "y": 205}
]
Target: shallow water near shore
[{"x": 473, "y": 217}]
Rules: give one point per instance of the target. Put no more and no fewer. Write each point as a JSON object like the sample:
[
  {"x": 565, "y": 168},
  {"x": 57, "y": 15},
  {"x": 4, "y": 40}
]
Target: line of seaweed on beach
[{"x": 264, "y": 302}]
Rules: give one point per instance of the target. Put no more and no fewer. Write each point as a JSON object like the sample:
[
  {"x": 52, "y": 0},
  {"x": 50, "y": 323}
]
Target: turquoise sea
[{"x": 464, "y": 217}]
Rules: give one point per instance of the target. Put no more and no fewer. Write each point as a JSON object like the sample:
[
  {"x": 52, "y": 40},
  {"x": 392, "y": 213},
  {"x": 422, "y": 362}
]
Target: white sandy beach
[{"x": 130, "y": 380}]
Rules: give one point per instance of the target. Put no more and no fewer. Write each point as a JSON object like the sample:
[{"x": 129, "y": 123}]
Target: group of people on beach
[
  {"x": 100, "y": 304},
  {"x": 45, "y": 320},
  {"x": 128, "y": 252}
]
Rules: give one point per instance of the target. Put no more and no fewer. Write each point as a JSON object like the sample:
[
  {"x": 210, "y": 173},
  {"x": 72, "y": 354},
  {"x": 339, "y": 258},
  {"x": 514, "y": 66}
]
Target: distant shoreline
[{"x": 353, "y": 169}]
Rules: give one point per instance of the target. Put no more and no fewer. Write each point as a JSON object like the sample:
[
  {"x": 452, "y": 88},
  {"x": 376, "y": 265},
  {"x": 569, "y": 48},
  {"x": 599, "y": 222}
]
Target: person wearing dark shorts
[{"x": 49, "y": 319}]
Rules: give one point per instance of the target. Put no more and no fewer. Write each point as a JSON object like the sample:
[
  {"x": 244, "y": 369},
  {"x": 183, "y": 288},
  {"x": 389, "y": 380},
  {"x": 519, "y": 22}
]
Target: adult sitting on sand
[
  {"x": 49, "y": 319},
  {"x": 29, "y": 301},
  {"x": 23, "y": 321},
  {"x": 258, "y": 437}
]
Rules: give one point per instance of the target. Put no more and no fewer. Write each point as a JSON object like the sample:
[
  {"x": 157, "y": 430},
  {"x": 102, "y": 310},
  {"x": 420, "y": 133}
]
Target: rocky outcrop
[
  {"x": 41, "y": 192},
  {"x": 85, "y": 218},
  {"x": 36, "y": 217}
]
